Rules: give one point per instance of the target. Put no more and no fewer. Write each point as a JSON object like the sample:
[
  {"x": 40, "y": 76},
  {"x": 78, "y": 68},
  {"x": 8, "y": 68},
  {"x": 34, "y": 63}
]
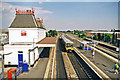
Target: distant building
[
  {"x": 24, "y": 34},
  {"x": 100, "y": 32},
  {"x": 3, "y": 38},
  {"x": 3, "y": 31},
  {"x": 117, "y": 31},
  {"x": 97, "y": 32}
]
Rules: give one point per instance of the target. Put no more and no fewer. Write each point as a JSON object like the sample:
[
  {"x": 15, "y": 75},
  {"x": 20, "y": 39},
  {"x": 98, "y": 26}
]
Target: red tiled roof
[{"x": 48, "y": 40}]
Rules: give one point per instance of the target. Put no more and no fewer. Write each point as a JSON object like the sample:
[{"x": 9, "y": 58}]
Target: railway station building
[{"x": 27, "y": 36}]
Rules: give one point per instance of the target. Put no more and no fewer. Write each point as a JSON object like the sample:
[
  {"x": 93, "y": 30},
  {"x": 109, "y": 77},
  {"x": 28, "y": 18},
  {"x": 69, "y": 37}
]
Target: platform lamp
[{"x": 94, "y": 46}]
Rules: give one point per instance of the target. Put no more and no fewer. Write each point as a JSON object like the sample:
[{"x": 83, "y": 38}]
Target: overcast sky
[{"x": 66, "y": 15}]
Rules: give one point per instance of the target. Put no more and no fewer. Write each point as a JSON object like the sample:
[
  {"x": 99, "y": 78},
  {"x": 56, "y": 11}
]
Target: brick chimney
[{"x": 24, "y": 12}]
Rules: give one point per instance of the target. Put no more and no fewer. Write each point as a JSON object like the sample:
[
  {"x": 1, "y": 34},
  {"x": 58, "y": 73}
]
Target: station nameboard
[{"x": 23, "y": 33}]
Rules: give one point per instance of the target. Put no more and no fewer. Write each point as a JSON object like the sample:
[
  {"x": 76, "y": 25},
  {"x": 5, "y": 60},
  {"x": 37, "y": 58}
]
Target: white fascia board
[
  {"x": 18, "y": 46},
  {"x": 46, "y": 45},
  {"x": 23, "y": 28},
  {"x": 41, "y": 29},
  {"x": 26, "y": 29}
]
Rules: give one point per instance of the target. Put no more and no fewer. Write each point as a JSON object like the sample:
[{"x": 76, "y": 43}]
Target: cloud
[
  {"x": 11, "y": 8},
  {"x": 40, "y": 2},
  {"x": 46, "y": 0},
  {"x": 39, "y": 10},
  {"x": 8, "y": 12},
  {"x": 61, "y": 0}
]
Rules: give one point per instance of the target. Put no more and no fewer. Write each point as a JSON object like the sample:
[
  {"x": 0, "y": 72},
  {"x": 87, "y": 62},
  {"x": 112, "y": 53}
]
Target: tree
[
  {"x": 113, "y": 38},
  {"x": 103, "y": 36},
  {"x": 76, "y": 32},
  {"x": 68, "y": 31},
  {"x": 52, "y": 33},
  {"x": 47, "y": 34},
  {"x": 116, "y": 41},
  {"x": 107, "y": 37},
  {"x": 83, "y": 35},
  {"x": 95, "y": 36}
]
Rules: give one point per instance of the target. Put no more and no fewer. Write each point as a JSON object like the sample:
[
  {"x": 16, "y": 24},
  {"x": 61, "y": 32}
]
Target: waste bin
[{"x": 25, "y": 67}]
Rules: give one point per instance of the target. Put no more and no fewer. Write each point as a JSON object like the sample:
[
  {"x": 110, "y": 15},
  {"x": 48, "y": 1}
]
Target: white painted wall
[
  {"x": 33, "y": 34},
  {"x": 36, "y": 54},
  {"x": 46, "y": 45},
  {"x": 13, "y": 58},
  {"x": 42, "y": 34}
]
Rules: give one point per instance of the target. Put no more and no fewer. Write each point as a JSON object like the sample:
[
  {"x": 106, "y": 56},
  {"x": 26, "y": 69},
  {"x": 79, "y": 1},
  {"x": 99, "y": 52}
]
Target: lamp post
[{"x": 93, "y": 47}]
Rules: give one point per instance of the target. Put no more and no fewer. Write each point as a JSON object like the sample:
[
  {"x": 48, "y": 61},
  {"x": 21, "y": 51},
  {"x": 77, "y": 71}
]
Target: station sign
[{"x": 23, "y": 33}]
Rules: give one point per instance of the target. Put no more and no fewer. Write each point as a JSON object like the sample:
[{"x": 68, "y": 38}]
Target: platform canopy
[{"x": 47, "y": 42}]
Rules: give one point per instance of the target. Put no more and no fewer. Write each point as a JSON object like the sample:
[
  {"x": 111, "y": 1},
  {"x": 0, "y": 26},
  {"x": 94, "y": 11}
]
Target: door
[{"x": 20, "y": 60}]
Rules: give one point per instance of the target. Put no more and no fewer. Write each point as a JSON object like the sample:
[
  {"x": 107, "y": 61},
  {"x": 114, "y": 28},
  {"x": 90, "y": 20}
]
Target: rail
[
  {"x": 111, "y": 57},
  {"x": 91, "y": 73},
  {"x": 93, "y": 67}
]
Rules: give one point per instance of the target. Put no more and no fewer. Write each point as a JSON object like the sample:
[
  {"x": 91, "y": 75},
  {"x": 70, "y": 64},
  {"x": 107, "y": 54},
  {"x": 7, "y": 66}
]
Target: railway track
[
  {"x": 108, "y": 49},
  {"x": 78, "y": 69},
  {"x": 60, "y": 67},
  {"x": 81, "y": 67},
  {"x": 107, "y": 53},
  {"x": 83, "y": 70},
  {"x": 103, "y": 49}
]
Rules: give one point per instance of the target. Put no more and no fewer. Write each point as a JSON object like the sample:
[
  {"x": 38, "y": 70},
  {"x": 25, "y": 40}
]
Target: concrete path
[
  {"x": 38, "y": 71},
  {"x": 102, "y": 62}
]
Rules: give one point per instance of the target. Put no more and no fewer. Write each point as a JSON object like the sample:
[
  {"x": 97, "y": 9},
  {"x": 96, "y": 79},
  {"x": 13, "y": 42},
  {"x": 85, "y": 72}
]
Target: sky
[{"x": 66, "y": 15}]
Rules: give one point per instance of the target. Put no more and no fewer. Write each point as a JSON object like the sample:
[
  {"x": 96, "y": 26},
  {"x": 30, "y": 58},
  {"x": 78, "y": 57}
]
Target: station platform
[
  {"x": 105, "y": 64},
  {"x": 38, "y": 71},
  {"x": 104, "y": 43}
]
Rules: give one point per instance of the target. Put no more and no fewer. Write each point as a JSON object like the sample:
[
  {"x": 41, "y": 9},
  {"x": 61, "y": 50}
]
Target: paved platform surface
[
  {"x": 39, "y": 70},
  {"x": 105, "y": 64},
  {"x": 71, "y": 74},
  {"x": 101, "y": 62}
]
